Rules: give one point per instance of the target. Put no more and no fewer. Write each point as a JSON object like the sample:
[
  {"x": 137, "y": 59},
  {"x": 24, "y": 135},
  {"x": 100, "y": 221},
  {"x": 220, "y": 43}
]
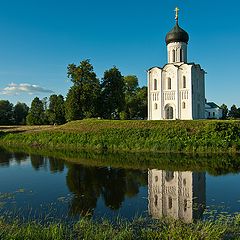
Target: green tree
[
  {"x": 141, "y": 105},
  {"x": 112, "y": 94},
  {"x": 20, "y": 112},
  {"x": 73, "y": 104},
  {"x": 87, "y": 84},
  {"x": 135, "y": 99},
  {"x": 6, "y": 112},
  {"x": 36, "y": 115},
  {"x": 233, "y": 113},
  {"x": 224, "y": 111},
  {"x": 56, "y": 110}
]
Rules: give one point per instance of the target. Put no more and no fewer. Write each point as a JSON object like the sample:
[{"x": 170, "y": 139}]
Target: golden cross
[{"x": 176, "y": 10}]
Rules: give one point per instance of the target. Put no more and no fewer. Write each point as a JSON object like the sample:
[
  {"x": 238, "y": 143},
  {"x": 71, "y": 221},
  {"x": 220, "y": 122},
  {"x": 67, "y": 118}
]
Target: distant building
[
  {"x": 179, "y": 195},
  {"x": 177, "y": 90},
  {"x": 212, "y": 111}
]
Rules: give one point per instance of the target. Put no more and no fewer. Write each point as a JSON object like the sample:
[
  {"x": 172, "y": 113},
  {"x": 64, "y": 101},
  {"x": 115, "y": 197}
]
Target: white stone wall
[
  {"x": 177, "y": 52},
  {"x": 186, "y": 99},
  {"x": 213, "y": 113}
]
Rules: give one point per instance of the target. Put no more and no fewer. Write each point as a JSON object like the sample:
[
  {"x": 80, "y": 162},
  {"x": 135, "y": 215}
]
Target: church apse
[{"x": 178, "y": 195}]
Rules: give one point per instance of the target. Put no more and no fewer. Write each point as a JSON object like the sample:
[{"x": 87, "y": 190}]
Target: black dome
[{"x": 177, "y": 34}]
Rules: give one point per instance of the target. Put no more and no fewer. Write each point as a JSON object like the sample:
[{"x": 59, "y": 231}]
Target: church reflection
[{"x": 179, "y": 195}]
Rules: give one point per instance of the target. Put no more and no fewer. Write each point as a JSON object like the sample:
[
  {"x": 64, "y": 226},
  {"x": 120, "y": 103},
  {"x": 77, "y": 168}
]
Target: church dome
[{"x": 177, "y": 34}]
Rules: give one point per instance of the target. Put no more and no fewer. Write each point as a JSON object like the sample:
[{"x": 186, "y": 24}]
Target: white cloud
[{"x": 15, "y": 89}]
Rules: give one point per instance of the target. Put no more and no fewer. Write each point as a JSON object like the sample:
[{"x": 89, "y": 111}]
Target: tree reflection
[
  {"x": 56, "y": 164},
  {"x": 89, "y": 183},
  {"x": 5, "y": 157},
  {"x": 37, "y": 161}
]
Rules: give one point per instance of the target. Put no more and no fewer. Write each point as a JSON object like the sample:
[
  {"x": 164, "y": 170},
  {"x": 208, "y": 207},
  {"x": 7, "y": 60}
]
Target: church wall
[{"x": 198, "y": 92}]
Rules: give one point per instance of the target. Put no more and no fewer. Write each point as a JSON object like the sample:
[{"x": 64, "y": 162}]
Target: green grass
[
  {"x": 140, "y": 228},
  {"x": 201, "y": 136}
]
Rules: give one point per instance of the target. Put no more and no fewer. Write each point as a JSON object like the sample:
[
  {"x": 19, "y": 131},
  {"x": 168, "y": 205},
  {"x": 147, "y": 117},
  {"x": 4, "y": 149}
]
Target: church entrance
[{"x": 168, "y": 112}]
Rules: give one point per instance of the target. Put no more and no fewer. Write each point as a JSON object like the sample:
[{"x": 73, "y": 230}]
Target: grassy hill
[{"x": 200, "y": 136}]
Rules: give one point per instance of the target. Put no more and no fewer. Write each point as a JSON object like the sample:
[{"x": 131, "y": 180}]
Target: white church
[{"x": 177, "y": 90}]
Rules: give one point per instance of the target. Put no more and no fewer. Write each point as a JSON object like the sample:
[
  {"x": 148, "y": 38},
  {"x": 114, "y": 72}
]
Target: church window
[
  {"x": 156, "y": 178},
  {"x": 183, "y": 105},
  {"x": 173, "y": 55},
  {"x": 184, "y": 181},
  {"x": 155, "y": 200},
  {"x": 169, "y": 176},
  {"x": 170, "y": 203},
  {"x": 185, "y": 205},
  {"x": 184, "y": 82},
  {"x": 169, "y": 83},
  {"x": 213, "y": 114},
  {"x": 155, "y": 84},
  {"x": 209, "y": 114},
  {"x": 155, "y": 106}
]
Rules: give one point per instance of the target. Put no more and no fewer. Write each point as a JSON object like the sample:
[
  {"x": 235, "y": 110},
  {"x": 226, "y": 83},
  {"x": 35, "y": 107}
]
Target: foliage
[
  {"x": 20, "y": 112},
  {"x": 234, "y": 112},
  {"x": 135, "y": 99},
  {"x": 56, "y": 110},
  {"x": 224, "y": 111},
  {"x": 112, "y": 94},
  {"x": 6, "y": 113},
  {"x": 85, "y": 92},
  {"x": 36, "y": 115}
]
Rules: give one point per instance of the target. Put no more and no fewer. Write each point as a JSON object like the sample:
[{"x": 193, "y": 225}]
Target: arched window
[
  {"x": 170, "y": 203},
  {"x": 184, "y": 182},
  {"x": 156, "y": 178},
  {"x": 169, "y": 83},
  {"x": 185, "y": 205},
  {"x": 184, "y": 82},
  {"x": 183, "y": 105},
  {"x": 173, "y": 55},
  {"x": 155, "y": 106},
  {"x": 169, "y": 176},
  {"x": 155, "y": 84},
  {"x": 155, "y": 200}
]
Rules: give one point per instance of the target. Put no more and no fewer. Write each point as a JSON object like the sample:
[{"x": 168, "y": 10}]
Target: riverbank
[
  {"x": 223, "y": 228},
  {"x": 200, "y": 136}
]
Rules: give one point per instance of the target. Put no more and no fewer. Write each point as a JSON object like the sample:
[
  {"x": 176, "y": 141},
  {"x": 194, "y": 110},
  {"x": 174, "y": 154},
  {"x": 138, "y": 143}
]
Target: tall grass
[{"x": 224, "y": 228}]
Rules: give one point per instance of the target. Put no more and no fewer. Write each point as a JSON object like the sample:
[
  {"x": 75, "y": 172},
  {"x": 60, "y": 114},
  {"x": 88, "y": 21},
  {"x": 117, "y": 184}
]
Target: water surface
[{"x": 34, "y": 186}]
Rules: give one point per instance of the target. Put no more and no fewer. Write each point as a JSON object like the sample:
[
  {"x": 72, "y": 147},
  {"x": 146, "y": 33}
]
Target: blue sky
[{"x": 38, "y": 39}]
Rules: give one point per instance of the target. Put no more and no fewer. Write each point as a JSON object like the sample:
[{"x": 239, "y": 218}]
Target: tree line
[
  {"x": 232, "y": 113},
  {"x": 114, "y": 97}
]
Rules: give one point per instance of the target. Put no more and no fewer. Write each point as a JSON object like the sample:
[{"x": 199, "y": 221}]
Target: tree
[
  {"x": 6, "y": 112},
  {"x": 73, "y": 104},
  {"x": 36, "y": 115},
  {"x": 224, "y": 111},
  {"x": 112, "y": 94},
  {"x": 233, "y": 113},
  {"x": 86, "y": 90},
  {"x": 135, "y": 99},
  {"x": 56, "y": 110},
  {"x": 20, "y": 112}
]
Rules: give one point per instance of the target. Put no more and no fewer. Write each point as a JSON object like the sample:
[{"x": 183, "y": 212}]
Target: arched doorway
[{"x": 168, "y": 112}]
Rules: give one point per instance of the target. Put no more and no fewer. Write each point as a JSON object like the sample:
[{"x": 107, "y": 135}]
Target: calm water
[{"x": 34, "y": 186}]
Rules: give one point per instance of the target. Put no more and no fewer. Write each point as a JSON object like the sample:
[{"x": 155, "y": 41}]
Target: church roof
[
  {"x": 177, "y": 34},
  {"x": 212, "y": 105}
]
